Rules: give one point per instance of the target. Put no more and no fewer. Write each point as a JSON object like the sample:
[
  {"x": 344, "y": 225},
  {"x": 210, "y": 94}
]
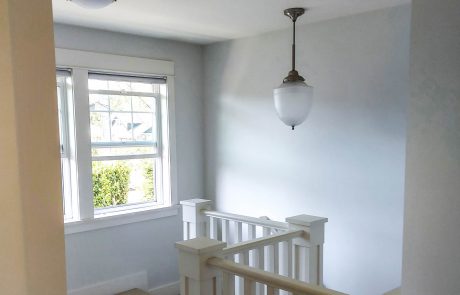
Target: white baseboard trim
[
  {"x": 168, "y": 289},
  {"x": 117, "y": 285}
]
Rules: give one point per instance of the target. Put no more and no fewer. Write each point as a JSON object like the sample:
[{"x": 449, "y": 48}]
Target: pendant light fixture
[
  {"x": 93, "y": 4},
  {"x": 293, "y": 98}
]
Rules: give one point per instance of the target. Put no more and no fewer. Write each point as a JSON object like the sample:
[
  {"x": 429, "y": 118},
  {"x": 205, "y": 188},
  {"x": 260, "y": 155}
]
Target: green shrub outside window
[{"x": 110, "y": 184}]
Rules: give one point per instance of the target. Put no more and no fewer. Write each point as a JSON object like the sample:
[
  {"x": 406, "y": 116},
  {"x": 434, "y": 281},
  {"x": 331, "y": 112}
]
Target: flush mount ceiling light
[
  {"x": 93, "y": 4},
  {"x": 293, "y": 98}
]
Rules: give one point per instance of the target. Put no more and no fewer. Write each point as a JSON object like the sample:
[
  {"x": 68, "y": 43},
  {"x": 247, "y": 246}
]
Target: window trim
[
  {"x": 83, "y": 62},
  {"x": 154, "y": 142},
  {"x": 64, "y": 130},
  {"x": 133, "y": 216}
]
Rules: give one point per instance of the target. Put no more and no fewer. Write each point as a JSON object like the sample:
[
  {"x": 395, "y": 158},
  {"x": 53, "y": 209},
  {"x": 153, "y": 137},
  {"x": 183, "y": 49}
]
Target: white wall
[
  {"x": 346, "y": 162},
  {"x": 432, "y": 208},
  {"x": 110, "y": 253}
]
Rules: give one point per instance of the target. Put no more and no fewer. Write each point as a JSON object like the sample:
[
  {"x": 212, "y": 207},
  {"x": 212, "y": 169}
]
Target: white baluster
[
  {"x": 246, "y": 257},
  {"x": 285, "y": 261},
  {"x": 191, "y": 213},
  {"x": 268, "y": 262},
  {"x": 261, "y": 265},
  {"x": 276, "y": 262},
  {"x": 269, "y": 258},
  {"x": 249, "y": 287},
  {"x": 195, "y": 276},
  {"x": 270, "y": 290},
  {"x": 225, "y": 231},
  {"x": 228, "y": 284},
  {"x": 290, "y": 259},
  {"x": 266, "y": 232},
  {"x": 276, "y": 258},
  {"x": 219, "y": 285},
  {"x": 254, "y": 254},
  {"x": 238, "y": 237},
  {"x": 238, "y": 232},
  {"x": 251, "y": 232},
  {"x": 245, "y": 261},
  {"x": 213, "y": 228},
  {"x": 310, "y": 251}
]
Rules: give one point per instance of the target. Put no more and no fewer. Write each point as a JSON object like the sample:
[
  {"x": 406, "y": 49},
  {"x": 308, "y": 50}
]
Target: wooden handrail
[
  {"x": 264, "y": 241},
  {"x": 247, "y": 219},
  {"x": 270, "y": 279}
]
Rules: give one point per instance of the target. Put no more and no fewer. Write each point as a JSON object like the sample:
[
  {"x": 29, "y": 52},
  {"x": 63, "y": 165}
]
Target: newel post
[
  {"x": 196, "y": 277},
  {"x": 194, "y": 220},
  {"x": 308, "y": 251}
]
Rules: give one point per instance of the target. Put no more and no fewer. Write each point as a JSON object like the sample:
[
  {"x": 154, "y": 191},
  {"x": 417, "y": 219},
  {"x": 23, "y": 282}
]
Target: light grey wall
[
  {"x": 346, "y": 162},
  {"x": 432, "y": 204},
  {"x": 114, "y": 252}
]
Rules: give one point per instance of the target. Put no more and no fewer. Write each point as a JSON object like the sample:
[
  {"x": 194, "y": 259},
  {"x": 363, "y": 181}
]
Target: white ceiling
[{"x": 206, "y": 21}]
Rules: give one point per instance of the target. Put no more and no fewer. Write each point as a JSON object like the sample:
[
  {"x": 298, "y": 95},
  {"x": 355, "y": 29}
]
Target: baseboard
[
  {"x": 168, "y": 289},
  {"x": 117, "y": 285},
  {"x": 396, "y": 291}
]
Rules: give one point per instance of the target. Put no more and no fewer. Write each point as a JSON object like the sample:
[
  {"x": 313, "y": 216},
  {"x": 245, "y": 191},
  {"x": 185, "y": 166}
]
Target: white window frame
[
  {"x": 81, "y": 63},
  {"x": 65, "y": 93},
  {"x": 157, "y": 157}
]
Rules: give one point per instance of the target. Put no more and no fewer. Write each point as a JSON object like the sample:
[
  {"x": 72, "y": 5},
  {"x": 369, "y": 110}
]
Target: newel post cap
[
  {"x": 314, "y": 225},
  {"x": 193, "y": 256},
  {"x": 306, "y": 220},
  {"x": 200, "y": 246},
  {"x": 191, "y": 210}
]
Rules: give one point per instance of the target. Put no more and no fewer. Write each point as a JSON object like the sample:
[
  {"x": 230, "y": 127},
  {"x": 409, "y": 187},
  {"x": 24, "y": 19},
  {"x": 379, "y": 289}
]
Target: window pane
[
  {"x": 98, "y": 102},
  {"x": 100, "y": 126},
  {"x": 120, "y": 103},
  {"x": 96, "y": 84},
  {"x": 120, "y": 85},
  {"x": 121, "y": 127},
  {"x": 123, "y": 182},
  {"x": 143, "y": 129},
  {"x": 141, "y": 87},
  {"x": 60, "y": 115},
  {"x": 143, "y": 104}
]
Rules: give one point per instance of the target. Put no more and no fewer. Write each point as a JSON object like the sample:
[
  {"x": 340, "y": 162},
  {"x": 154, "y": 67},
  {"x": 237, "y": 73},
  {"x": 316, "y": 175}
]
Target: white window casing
[{"x": 82, "y": 64}]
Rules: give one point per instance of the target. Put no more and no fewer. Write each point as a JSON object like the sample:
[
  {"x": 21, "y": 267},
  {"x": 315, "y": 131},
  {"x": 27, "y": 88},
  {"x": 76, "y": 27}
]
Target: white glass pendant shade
[
  {"x": 293, "y": 98},
  {"x": 293, "y": 101},
  {"x": 93, "y": 4}
]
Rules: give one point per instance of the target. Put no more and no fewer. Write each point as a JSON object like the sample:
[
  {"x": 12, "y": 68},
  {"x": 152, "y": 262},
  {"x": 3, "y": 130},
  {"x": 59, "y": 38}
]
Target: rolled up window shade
[{"x": 128, "y": 78}]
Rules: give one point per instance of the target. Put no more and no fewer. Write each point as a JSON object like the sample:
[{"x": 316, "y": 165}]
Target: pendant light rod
[
  {"x": 293, "y": 45},
  {"x": 293, "y": 14}
]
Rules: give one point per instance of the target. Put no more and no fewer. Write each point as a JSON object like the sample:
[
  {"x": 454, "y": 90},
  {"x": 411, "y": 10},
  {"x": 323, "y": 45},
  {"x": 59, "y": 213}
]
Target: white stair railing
[
  {"x": 204, "y": 271},
  {"x": 292, "y": 248},
  {"x": 272, "y": 254}
]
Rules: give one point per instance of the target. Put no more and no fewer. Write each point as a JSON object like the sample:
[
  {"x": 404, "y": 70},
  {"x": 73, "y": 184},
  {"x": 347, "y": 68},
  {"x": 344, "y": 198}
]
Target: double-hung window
[
  {"x": 125, "y": 139},
  {"x": 115, "y": 131}
]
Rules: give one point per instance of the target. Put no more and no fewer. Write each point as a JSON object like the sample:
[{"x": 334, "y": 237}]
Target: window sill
[{"x": 126, "y": 217}]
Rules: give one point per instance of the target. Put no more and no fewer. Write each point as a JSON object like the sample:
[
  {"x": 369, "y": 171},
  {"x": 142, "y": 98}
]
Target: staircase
[{"x": 230, "y": 254}]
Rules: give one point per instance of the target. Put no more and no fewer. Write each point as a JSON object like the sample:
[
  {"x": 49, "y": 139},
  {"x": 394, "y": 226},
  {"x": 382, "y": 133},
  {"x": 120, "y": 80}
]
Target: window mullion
[{"x": 83, "y": 144}]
